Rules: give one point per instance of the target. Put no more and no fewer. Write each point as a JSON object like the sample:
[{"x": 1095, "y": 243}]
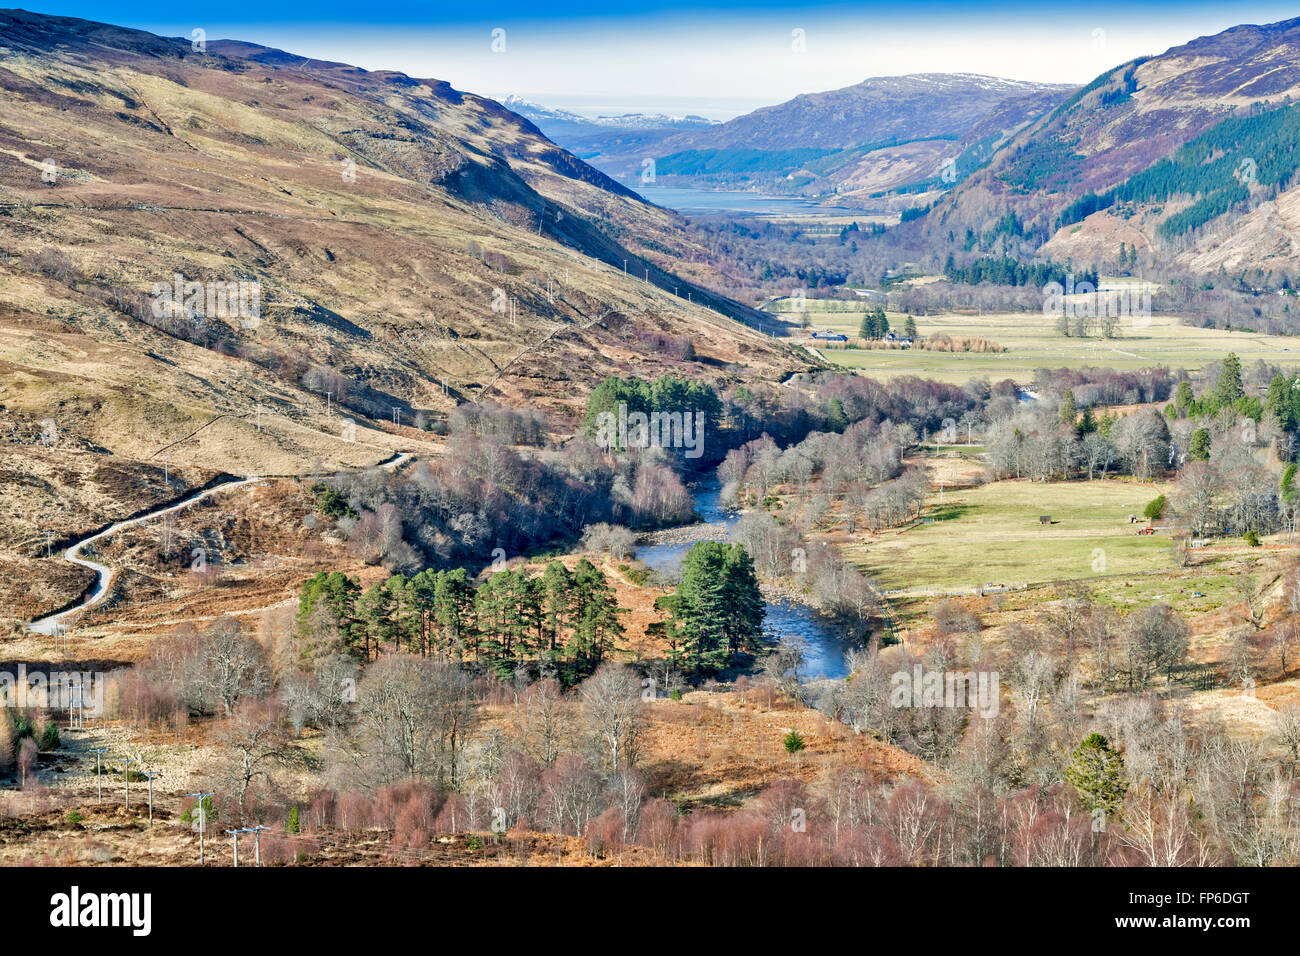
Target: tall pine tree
[{"x": 719, "y": 605}]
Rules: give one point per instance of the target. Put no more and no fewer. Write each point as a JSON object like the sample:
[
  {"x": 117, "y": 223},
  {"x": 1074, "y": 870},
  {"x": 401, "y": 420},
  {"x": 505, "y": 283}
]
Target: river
[{"x": 825, "y": 653}]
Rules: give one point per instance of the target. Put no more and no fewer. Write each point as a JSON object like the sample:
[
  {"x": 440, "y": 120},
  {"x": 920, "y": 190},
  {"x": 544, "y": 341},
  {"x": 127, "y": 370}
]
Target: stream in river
[{"x": 824, "y": 652}]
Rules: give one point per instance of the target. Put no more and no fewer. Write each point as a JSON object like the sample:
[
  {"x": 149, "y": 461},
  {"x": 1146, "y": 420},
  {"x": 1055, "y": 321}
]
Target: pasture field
[
  {"x": 991, "y": 535},
  {"x": 1032, "y": 342},
  {"x": 1212, "y": 583}
]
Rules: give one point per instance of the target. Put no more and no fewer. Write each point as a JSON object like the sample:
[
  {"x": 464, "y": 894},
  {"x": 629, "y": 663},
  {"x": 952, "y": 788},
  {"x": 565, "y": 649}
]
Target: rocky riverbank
[{"x": 686, "y": 534}]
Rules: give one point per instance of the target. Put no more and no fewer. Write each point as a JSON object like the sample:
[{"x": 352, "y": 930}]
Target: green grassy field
[
  {"x": 992, "y": 535},
  {"x": 1209, "y": 586},
  {"x": 1032, "y": 342}
]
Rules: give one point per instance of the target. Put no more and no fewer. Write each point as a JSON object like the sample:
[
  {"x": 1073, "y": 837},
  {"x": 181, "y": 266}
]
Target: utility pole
[
  {"x": 259, "y": 416},
  {"x": 202, "y": 819},
  {"x": 234, "y": 839},
  {"x": 99, "y": 782},
  {"x": 75, "y": 707},
  {"x": 167, "y": 470},
  {"x": 257, "y": 842},
  {"x": 150, "y": 774}
]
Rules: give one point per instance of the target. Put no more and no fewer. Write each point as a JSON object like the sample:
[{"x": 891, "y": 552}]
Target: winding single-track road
[{"x": 51, "y": 623}]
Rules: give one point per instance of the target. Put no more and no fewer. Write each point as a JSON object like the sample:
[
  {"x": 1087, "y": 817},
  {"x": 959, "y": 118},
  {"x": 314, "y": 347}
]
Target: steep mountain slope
[
  {"x": 411, "y": 245},
  {"x": 1189, "y": 156},
  {"x": 235, "y": 260},
  {"x": 877, "y": 135}
]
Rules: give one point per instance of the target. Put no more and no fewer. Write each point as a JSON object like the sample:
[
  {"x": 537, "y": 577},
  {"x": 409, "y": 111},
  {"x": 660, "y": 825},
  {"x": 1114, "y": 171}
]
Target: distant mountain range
[
  {"x": 553, "y": 121},
  {"x": 597, "y": 140},
  {"x": 879, "y": 135}
]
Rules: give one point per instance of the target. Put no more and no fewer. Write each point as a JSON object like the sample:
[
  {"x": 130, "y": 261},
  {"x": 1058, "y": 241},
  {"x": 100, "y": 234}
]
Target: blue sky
[{"x": 718, "y": 58}]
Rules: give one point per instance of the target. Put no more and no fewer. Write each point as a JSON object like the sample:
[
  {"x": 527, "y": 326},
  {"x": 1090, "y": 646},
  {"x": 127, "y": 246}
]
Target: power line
[
  {"x": 126, "y": 777},
  {"x": 98, "y": 752},
  {"x": 76, "y": 708},
  {"x": 202, "y": 819},
  {"x": 322, "y": 842},
  {"x": 234, "y": 840},
  {"x": 149, "y": 775},
  {"x": 257, "y": 842}
]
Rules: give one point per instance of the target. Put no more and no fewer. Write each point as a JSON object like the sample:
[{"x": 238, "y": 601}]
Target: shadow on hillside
[{"x": 949, "y": 512}]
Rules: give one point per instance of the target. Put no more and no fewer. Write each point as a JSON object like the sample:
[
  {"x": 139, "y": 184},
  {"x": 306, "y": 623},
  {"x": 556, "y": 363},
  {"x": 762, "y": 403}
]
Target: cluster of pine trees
[
  {"x": 1128, "y": 256},
  {"x": 874, "y": 324},
  {"x": 669, "y": 393},
  {"x": 717, "y": 612},
  {"x": 1218, "y": 167},
  {"x": 569, "y": 619},
  {"x": 1004, "y": 270},
  {"x": 1282, "y": 401},
  {"x": 1229, "y": 392}
]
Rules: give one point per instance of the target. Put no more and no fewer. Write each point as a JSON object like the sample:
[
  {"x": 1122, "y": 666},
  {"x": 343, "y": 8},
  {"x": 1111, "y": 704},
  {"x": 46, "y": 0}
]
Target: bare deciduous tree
[
  {"x": 256, "y": 735},
  {"x": 1287, "y": 731},
  {"x": 545, "y": 720},
  {"x": 412, "y": 717},
  {"x": 612, "y": 713}
]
